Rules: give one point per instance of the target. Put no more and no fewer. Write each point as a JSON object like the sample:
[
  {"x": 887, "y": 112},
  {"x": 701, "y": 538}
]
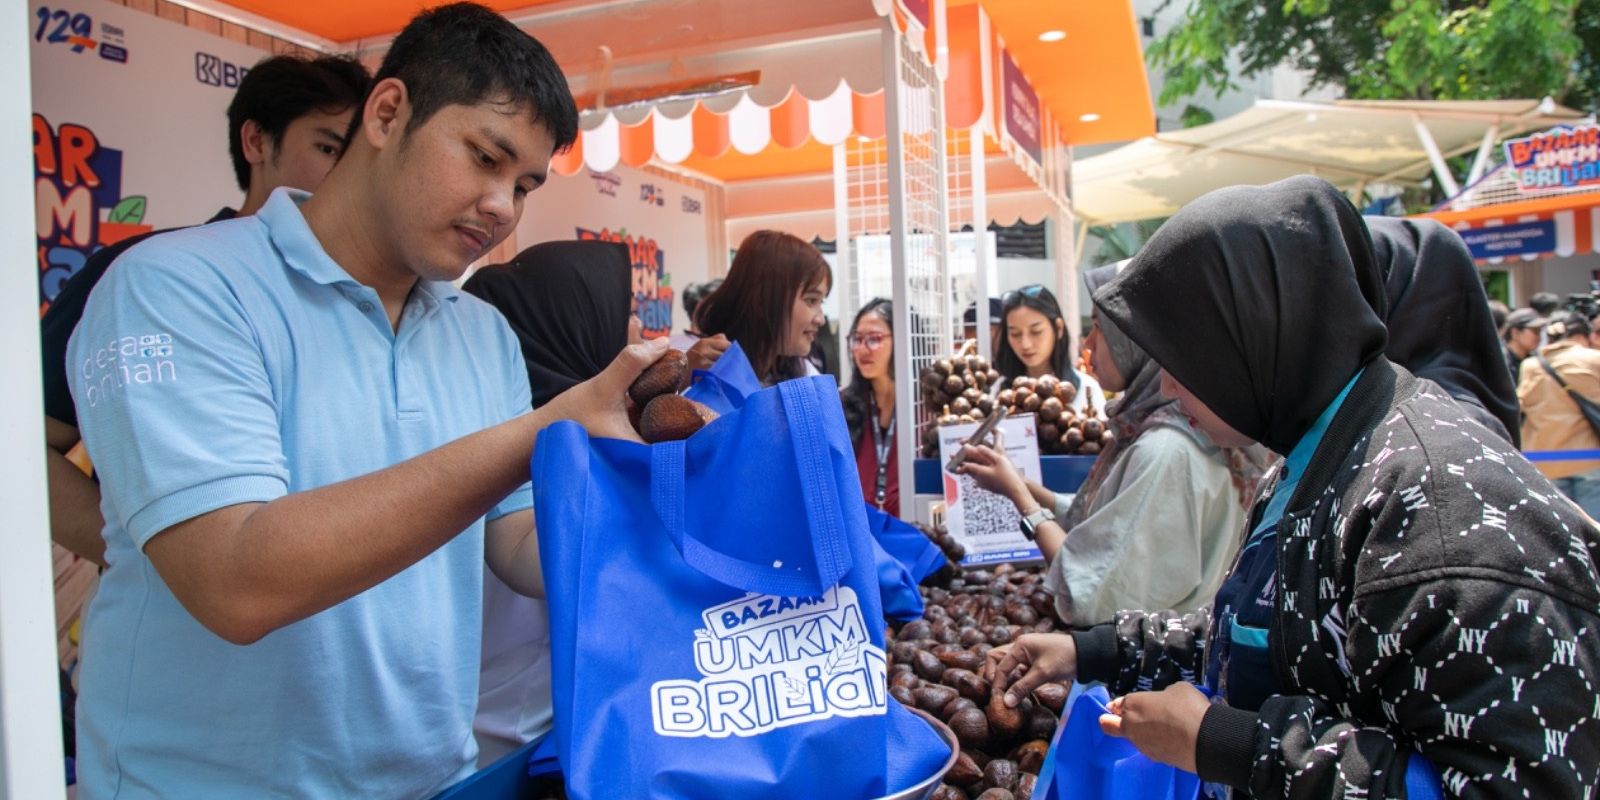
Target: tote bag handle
[{"x": 818, "y": 485}]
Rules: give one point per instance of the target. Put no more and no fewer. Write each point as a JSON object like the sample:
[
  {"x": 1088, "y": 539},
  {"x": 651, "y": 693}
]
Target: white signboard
[{"x": 985, "y": 523}]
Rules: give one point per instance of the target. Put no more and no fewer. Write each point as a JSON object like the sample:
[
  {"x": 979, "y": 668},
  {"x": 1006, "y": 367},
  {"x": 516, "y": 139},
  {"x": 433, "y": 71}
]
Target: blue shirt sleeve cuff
[
  {"x": 186, "y": 504},
  {"x": 519, "y": 500}
]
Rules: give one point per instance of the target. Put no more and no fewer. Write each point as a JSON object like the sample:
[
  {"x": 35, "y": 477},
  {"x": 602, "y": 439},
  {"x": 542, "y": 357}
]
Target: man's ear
[{"x": 383, "y": 116}]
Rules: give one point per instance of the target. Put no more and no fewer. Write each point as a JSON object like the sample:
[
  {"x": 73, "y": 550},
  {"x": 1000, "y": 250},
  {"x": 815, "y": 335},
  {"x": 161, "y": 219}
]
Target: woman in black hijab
[
  {"x": 570, "y": 305},
  {"x": 1414, "y": 604},
  {"x": 1440, "y": 326}
]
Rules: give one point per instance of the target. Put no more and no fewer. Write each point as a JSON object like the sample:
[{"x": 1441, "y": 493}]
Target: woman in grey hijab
[{"x": 1158, "y": 519}]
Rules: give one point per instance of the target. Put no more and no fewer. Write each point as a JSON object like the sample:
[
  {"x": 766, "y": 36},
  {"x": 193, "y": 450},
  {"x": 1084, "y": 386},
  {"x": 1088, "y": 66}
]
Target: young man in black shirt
[{"x": 286, "y": 127}]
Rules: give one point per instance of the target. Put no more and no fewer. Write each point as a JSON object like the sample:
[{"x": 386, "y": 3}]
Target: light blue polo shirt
[{"x": 234, "y": 363}]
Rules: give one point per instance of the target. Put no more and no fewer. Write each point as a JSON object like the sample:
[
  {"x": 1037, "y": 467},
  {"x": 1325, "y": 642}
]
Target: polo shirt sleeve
[
  {"x": 173, "y": 395},
  {"x": 519, "y": 401}
]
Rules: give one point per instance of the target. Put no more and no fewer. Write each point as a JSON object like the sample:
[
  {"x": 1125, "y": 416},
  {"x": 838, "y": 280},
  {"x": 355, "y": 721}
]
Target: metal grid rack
[{"x": 919, "y": 216}]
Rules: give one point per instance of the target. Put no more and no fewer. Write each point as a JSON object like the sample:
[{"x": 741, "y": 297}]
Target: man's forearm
[{"x": 248, "y": 570}]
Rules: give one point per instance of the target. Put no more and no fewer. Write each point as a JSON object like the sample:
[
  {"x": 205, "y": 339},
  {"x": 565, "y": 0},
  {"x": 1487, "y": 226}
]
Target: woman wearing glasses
[
  {"x": 770, "y": 303},
  {"x": 1036, "y": 344},
  {"x": 869, "y": 404}
]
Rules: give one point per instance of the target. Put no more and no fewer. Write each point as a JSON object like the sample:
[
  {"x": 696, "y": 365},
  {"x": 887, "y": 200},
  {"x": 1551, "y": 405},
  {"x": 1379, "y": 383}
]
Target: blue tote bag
[
  {"x": 911, "y": 547},
  {"x": 715, "y": 624},
  {"x": 1084, "y": 763},
  {"x": 732, "y": 379}
]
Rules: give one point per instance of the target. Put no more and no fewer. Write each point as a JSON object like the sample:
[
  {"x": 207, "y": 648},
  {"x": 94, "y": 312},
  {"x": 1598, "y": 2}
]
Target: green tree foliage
[{"x": 1391, "y": 49}]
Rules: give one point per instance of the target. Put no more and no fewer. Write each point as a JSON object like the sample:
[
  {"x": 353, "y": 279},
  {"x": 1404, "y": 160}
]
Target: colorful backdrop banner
[{"x": 129, "y": 128}]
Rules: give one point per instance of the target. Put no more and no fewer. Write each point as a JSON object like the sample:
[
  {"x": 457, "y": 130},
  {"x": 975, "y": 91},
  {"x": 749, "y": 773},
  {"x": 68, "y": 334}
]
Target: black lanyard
[{"x": 880, "y": 442}]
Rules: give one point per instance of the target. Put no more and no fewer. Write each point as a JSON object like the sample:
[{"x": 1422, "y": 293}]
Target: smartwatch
[{"x": 1031, "y": 522}]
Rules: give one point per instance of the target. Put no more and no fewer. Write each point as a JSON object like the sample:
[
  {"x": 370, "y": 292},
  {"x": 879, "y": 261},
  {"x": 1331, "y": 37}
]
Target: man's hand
[
  {"x": 995, "y": 473},
  {"x": 1031, "y": 660},
  {"x": 704, "y": 353},
  {"x": 1164, "y": 725},
  {"x": 600, "y": 404}
]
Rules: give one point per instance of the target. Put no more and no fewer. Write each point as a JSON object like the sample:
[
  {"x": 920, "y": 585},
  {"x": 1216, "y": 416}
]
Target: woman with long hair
[
  {"x": 1036, "y": 342},
  {"x": 1157, "y": 521},
  {"x": 869, "y": 404},
  {"x": 770, "y": 303}
]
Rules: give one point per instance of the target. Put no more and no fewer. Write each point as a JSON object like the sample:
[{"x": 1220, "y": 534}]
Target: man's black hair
[
  {"x": 466, "y": 54},
  {"x": 1545, "y": 303},
  {"x": 282, "y": 89}
]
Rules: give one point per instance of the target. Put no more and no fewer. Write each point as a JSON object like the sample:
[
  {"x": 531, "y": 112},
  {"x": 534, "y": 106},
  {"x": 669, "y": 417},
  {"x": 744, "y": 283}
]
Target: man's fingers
[
  {"x": 1023, "y": 685},
  {"x": 1111, "y": 724}
]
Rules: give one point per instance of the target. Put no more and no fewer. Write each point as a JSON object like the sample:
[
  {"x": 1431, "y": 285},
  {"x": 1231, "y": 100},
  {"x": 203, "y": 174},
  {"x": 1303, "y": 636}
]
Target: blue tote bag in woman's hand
[
  {"x": 715, "y": 624},
  {"x": 1086, "y": 763}
]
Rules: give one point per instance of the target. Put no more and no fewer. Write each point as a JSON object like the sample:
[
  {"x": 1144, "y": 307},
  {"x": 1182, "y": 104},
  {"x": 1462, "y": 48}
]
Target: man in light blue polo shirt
[{"x": 301, "y": 428}]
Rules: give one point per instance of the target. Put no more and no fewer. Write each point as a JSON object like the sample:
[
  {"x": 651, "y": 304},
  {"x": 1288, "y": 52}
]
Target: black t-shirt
[{"x": 61, "y": 319}]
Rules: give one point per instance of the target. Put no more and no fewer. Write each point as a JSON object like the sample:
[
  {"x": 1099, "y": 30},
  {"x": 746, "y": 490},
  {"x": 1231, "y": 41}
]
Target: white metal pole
[
  {"x": 1481, "y": 162},
  {"x": 844, "y": 283},
  {"x": 980, "y": 234},
  {"x": 1441, "y": 170},
  {"x": 31, "y": 758},
  {"x": 899, "y": 227}
]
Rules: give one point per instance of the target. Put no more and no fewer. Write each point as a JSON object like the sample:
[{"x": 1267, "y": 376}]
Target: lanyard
[{"x": 880, "y": 443}]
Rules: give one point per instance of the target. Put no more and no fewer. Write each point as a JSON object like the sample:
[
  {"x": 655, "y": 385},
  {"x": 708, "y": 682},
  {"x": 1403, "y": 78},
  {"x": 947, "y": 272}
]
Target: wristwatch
[{"x": 1031, "y": 522}]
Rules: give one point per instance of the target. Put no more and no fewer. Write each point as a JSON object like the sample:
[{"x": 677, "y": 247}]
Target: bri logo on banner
[
  {"x": 75, "y": 179},
  {"x": 771, "y": 662}
]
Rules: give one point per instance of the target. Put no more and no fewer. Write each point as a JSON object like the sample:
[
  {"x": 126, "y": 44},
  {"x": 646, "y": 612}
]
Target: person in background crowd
[
  {"x": 1408, "y": 606},
  {"x": 1544, "y": 303},
  {"x": 1498, "y": 311},
  {"x": 297, "y": 529},
  {"x": 1158, "y": 521},
  {"x": 824, "y": 353},
  {"x": 1522, "y": 333},
  {"x": 692, "y": 295},
  {"x": 969, "y": 324},
  {"x": 1594, "y": 331},
  {"x": 570, "y": 305},
  {"x": 287, "y": 124},
  {"x": 869, "y": 405},
  {"x": 1037, "y": 343},
  {"x": 1552, "y": 419},
  {"x": 770, "y": 303},
  {"x": 1438, "y": 320}
]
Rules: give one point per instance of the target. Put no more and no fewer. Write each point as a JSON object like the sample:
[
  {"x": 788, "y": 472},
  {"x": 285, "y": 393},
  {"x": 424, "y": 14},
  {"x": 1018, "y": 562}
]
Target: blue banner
[{"x": 1509, "y": 241}]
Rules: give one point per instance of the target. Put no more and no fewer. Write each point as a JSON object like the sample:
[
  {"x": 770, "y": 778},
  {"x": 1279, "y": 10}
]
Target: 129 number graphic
[{"x": 67, "y": 25}]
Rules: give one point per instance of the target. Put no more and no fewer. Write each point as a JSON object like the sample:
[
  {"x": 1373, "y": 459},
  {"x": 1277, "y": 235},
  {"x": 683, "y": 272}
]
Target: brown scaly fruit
[
  {"x": 965, "y": 772},
  {"x": 671, "y": 418},
  {"x": 662, "y": 377},
  {"x": 1005, "y": 722}
]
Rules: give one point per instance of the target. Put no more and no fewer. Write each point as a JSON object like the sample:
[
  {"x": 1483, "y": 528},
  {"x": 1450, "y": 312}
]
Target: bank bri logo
[{"x": 213, "y": 71}]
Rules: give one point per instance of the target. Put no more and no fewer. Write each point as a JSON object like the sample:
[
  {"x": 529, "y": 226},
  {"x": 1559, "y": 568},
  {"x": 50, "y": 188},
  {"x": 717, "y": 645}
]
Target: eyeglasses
[{"x": 868, "y": 341}]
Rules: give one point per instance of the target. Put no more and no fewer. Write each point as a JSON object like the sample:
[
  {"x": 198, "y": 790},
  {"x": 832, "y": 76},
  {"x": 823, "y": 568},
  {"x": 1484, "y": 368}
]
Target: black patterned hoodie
[{"x": 1429, "y": 600}]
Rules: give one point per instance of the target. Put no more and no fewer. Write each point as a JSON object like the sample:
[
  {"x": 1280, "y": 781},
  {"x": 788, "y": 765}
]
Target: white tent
[{"x": 1351, "y": 143}]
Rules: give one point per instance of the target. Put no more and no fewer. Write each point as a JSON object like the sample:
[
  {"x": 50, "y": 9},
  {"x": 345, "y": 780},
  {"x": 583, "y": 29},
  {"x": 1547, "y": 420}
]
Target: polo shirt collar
[
  {"x": 290, "y": 233},
  {"x": 304, "y": 254}
]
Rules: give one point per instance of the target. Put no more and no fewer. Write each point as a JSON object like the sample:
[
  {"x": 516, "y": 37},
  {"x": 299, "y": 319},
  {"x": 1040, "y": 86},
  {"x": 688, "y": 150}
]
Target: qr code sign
[{"x": 985, "y": 513}]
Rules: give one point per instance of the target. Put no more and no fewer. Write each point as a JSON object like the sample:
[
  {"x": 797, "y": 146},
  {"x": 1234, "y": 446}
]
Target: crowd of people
[{"x": 1315, "y": 505}]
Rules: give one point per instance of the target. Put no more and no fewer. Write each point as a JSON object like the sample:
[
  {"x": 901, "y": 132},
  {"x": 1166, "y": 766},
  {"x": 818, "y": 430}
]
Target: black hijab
[
  {"x": 568, "y": 303},
  {"x": 1439, "y": 323},
  {"x": 1260, "y": 300}
]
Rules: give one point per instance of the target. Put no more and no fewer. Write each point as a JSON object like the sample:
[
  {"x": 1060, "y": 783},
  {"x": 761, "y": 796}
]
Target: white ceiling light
[
  {"x": 1091, "y": 117},
  {"x": 1052, "y": 36}
]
